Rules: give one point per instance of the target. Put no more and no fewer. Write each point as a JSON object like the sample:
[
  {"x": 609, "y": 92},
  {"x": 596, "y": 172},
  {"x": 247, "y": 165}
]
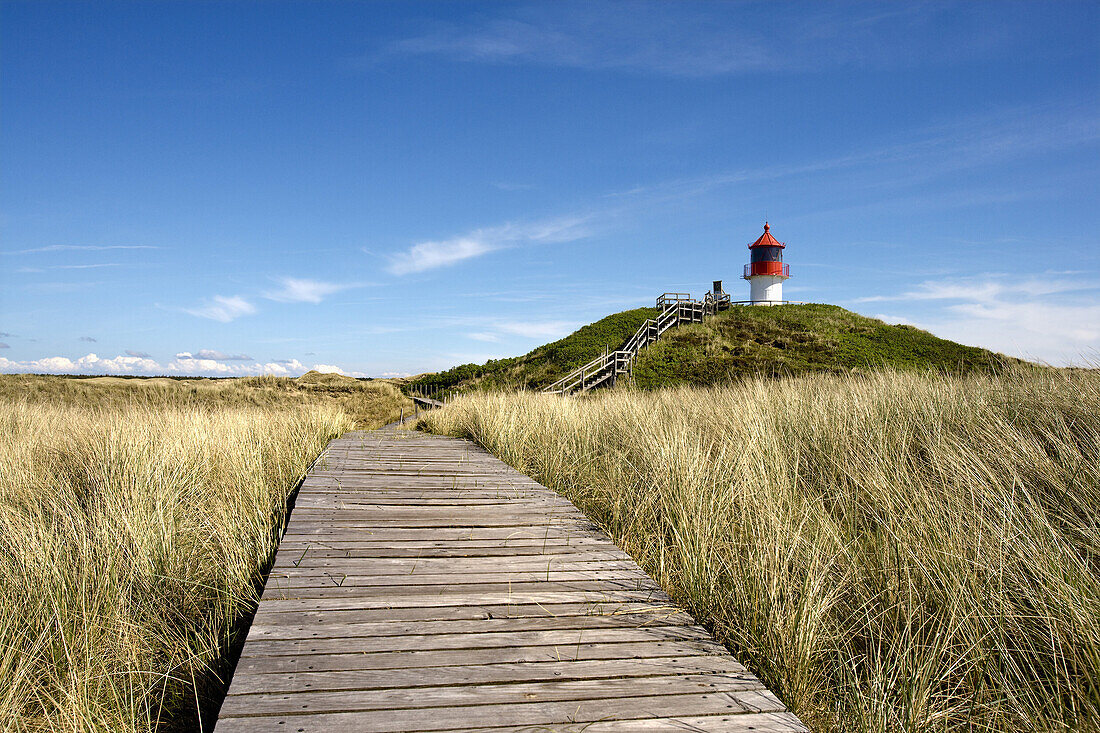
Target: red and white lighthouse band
[{"x": 766, "y": 270}]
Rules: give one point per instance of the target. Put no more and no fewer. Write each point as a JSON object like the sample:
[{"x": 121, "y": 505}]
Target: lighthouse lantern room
[{"x": 766, "y": 270}]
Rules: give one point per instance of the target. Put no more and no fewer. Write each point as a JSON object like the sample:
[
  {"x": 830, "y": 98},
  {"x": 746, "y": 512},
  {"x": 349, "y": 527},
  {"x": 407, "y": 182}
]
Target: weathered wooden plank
[
  {"x": 473, "y": 600},
  {"x": 566, "y": 559},
  {"x": 292, "y": 578},
  {"x": 424, "y": 585},
  {"x": 745, "y": 723},
  {"x": 474, "y": 640},
  {"x": 531, "y": 713},
  {"x": 347, "y": 630},
  {"x": 506, "y": 672},
  {"x": 267, "y": 614},
  {"x": 457, "y": 591},
  {"x": 564, "y": 652},
  {"x": 450, "y": 695}
]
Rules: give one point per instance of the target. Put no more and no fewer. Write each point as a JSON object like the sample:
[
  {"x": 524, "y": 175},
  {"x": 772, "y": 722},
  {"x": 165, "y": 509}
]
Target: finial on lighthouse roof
[{"x": 766, "y": 239}]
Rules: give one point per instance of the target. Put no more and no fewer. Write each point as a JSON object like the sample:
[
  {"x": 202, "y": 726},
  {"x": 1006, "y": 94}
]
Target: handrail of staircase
[{"x": 673, "y": 307}]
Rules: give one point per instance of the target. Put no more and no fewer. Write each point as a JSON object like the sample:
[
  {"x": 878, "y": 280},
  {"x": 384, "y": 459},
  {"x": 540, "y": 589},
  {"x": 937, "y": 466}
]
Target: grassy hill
[
  {"x": 793, "y": 339},
  {"x": 797, "y": 339}
]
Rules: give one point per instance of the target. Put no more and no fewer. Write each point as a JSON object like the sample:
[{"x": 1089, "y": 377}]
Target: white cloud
[
  {"x": 300, "y": 290},
  {"x": 285, "y": 367},
  {"x": 496, "y": 331},
  {"x": 1055, "y": 319},
  {"x": 223, "y": 308},
  {"x": 709, "y": 39},
  {"x": 484, "y": 336},
  {"x": 433, "y": 254},
  {"x": 78, "y": 248},
  {"x": 219, "y": 356},
  {"x": 88, "y": 364},
  {"x": 328, "y": 369},
  {"x": 537, "y": 329},
  {"x": 185, "y": 364},
  {"x": 987, "y": 288},
  {"x": 430, "y": 255}
]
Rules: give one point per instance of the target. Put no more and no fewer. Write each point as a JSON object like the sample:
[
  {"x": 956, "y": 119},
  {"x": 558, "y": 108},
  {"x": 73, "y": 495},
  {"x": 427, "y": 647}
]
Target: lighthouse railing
[{"x": 782, "y": 269}]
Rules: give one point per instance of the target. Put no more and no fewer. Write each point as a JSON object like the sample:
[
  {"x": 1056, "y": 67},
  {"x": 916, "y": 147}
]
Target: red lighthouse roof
[{"x": 767, "y": 240}]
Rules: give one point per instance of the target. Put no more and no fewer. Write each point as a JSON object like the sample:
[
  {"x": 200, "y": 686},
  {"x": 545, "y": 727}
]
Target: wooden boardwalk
[{"x": 424, "y": 585}]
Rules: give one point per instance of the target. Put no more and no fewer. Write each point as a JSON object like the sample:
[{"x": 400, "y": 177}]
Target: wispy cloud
[
  {"x": 442, "y": 253},
  {"x": 537, "y": 329},
  {"x": 711, "y": 39},
  {"x": 224, "y": 308},
  {"x": 988, "y": 288},
  {"x": 544, "y": 330},
  {"x": 4, "y": 346},
  {"x": 78, "y": 248},
  {"x": 213, "y": 355},
  {"x": 88, "y": 339},
  {"x": 488, "y": 336},
  {"x": 138, "y": 354},
  {"x": 302, "y": 290},
  {"x": 1055, "y": 319}
]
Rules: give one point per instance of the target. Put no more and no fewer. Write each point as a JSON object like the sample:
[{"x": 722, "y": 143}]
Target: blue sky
[{"x": 233, "y": 188}]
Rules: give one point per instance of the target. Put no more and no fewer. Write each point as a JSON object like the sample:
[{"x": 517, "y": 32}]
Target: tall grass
[
  {"x": 371, "y": 404},
  {"x": 131, "y": 538},
  {"x": 891, "y": 552}
]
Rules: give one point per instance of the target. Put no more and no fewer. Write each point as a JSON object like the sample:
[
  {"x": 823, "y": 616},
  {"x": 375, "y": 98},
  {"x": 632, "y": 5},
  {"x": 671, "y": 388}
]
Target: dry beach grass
[
  {"x": 135, "y": 522},
  {"x": 889, "y": 552}
]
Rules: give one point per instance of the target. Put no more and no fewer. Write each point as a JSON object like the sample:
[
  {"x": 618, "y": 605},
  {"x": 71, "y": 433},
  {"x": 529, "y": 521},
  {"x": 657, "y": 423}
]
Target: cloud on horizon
[
  {"x": 1053, "y": 319},
  {"x": 190, "y": 365},
  {"x": 213, "y": 355}
]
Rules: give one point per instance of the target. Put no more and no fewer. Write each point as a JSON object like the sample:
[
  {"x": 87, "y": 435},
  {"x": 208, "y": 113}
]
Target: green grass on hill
[
  {"x": 744, "y": 341},
  {"x": 798, "y": 339},
  {"x": 546, "y": 363}
]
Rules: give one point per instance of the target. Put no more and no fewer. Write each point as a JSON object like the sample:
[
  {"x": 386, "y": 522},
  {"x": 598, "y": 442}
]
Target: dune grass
[
  {"x": 370, "y": 403},
  {"x": 133, "y": 534},
  {"x": 888, "y": 552}
]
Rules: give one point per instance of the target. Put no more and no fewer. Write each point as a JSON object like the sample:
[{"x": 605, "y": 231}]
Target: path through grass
[{"x": 889, "y": 552}]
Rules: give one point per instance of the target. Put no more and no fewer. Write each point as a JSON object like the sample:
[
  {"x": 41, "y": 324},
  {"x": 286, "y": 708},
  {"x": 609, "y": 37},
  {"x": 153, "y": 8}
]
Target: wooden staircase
[{"x": 675, "y": 308}]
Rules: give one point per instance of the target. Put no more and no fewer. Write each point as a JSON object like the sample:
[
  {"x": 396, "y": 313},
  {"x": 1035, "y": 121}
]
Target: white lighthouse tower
[{"x": 766, "y": 271}]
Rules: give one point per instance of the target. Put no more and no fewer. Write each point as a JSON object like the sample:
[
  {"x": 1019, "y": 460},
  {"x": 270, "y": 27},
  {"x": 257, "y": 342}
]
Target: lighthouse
[{"x": 766, "y": 271}]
